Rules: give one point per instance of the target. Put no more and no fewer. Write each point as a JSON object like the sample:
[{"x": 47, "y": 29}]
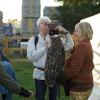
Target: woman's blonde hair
[{"x": 86, "y": 30}]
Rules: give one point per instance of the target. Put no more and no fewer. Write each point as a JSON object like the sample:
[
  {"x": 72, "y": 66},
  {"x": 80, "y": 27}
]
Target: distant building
[
  {"x": 30, "y": 14},
  {"x": 37, "y": 13}
]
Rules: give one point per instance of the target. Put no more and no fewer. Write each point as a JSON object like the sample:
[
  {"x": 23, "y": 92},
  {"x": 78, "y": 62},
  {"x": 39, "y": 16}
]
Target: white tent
[{"x": 95, "y": 23}]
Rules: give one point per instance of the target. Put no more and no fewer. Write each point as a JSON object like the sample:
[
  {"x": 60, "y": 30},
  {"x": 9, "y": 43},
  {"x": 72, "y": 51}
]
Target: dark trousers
[
  {"x": 7, "y": 96},
  {"x": 41, "y": 90}
]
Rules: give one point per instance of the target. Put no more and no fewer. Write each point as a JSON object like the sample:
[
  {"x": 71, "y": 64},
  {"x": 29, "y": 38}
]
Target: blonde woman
[{"x": 78, "y": 68}]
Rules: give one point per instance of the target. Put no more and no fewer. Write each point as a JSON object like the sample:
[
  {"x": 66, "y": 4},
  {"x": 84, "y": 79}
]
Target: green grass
[{"x": 24, "y": 71}]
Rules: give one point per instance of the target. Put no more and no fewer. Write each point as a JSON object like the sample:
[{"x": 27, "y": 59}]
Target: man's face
[{"x": 44, "y": 29}]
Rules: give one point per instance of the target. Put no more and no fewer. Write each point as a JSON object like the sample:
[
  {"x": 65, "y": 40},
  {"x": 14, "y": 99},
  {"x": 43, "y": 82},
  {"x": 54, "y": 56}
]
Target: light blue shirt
[{"x": 38, "y": 56}]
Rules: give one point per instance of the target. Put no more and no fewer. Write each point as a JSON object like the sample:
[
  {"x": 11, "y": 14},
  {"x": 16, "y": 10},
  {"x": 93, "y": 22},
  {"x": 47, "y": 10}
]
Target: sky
[{"x": 12, "y": 9}]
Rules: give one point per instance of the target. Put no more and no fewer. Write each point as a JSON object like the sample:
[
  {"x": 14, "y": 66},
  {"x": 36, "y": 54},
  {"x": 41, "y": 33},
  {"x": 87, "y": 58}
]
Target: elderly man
[{"x": 37, "y": 55}]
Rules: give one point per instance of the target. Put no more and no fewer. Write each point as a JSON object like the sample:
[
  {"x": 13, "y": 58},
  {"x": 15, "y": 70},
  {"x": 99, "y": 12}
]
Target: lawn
[{"x": 24, "y": 70}]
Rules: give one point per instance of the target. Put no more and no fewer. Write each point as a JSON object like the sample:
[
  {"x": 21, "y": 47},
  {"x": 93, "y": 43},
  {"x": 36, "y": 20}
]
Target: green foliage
[
  {"x": 70, "y": 15},
  {"x": 78, "y": 2}
]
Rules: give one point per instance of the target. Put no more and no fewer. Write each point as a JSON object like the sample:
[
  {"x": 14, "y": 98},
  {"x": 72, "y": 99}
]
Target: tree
[
  {"x": 73, "y": 11},
  {"x": 78, "y": 2}
]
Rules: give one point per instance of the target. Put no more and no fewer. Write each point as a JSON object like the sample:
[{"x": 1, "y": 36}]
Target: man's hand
[
  {"x": 32, "y": 94},
  {"x": 61, "y": 29}
]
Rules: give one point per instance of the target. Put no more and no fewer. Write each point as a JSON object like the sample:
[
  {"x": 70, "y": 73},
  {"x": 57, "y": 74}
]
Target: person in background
[
  {"x": 3, "y": 56},
  {"x": 8, "y": 83},
  {"x": 11, "y": 85},
  {"x": 78, "y": 68},
  {"x": 37, "y": 55},
  {"x": 6, "y": 94}
]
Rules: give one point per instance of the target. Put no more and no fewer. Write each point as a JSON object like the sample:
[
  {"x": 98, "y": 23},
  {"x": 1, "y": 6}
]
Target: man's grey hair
[{"x": 43, "y": 19}]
